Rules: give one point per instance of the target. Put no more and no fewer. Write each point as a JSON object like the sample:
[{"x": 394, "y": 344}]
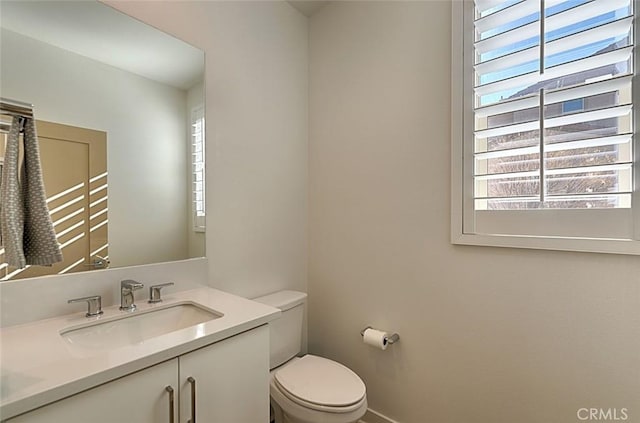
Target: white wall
[
  {"x": 145, "y": 123},
  {"x": 488, "y": 335},
  {"x": 256, "y": 98}
]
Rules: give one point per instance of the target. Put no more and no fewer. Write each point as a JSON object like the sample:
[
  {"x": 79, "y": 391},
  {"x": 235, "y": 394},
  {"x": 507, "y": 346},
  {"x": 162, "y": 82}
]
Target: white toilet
[{"x": 308, "y": 389}]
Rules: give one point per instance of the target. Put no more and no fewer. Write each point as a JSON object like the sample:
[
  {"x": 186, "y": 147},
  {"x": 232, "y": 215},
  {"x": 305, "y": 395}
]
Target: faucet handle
[
  {"x": 154, "y": 292},
  {"x": 131, "y": 284},
  {"x": 94, "y": 304}
]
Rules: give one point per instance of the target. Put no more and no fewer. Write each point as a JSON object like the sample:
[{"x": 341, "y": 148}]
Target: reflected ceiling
[{"x": 79, "y": 26}]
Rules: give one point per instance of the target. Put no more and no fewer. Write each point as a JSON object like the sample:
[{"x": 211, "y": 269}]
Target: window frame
[{"x": 462, "y": 203}]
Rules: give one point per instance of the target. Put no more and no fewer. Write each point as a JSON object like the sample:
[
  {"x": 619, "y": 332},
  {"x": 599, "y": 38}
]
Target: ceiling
[
  {"x": 308, "y": 7},
  {"x": 101, "y": 33}
]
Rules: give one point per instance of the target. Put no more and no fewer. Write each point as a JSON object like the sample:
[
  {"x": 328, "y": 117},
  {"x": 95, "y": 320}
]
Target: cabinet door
[
  {"x": 137, "y": 398},
  {"x": 231, "y": 380}
]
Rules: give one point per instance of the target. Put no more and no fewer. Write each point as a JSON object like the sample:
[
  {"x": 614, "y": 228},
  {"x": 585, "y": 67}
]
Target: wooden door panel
[{"x": 74, "y": 167}]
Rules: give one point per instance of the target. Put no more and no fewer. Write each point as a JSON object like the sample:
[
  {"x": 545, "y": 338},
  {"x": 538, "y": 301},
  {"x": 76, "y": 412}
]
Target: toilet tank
[{"x": 285, "y": 333}]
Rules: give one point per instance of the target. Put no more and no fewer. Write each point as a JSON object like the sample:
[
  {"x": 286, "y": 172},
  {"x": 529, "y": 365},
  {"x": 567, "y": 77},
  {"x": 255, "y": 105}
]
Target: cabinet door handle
[
  {"x": 169, "y": 389},
  {"x": 192, "y": 381}
]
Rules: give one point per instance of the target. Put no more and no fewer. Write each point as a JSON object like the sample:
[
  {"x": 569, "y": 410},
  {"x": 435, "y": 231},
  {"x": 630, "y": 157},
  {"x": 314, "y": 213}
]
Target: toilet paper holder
[{"x": 391, "y": 339}]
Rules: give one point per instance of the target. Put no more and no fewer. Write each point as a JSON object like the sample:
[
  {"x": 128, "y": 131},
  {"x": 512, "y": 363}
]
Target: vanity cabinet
[
  {"x": 140, "y": 397},
  {"x": 227, "y": 382},
  {"x": 231, "y": 380}
]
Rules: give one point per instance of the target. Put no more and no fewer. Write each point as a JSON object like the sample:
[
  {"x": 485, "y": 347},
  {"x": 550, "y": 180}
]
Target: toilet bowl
[
  {"x": 313, "y": 389},
  {"x": 308, "y": 389}
]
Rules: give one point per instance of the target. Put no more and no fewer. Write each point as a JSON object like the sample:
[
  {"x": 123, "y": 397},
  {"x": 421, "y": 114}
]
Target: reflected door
[{"x": 74, "y": 167}]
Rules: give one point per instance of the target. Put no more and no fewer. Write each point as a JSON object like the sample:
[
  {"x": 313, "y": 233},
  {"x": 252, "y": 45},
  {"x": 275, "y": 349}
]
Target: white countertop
[{"x": 39, "y": 367}]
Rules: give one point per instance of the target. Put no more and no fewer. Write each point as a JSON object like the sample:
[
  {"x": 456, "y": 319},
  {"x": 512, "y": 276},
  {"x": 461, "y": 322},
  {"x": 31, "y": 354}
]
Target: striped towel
[{"x": 25, "y": 224}]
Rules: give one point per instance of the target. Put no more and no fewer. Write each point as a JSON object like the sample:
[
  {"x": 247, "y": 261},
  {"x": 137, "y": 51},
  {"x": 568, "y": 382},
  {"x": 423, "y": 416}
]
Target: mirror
[{"x": 85, "y": 66}]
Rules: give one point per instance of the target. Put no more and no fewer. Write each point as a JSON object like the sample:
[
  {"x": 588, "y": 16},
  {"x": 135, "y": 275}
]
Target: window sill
[{"x": 590, "y": 245}]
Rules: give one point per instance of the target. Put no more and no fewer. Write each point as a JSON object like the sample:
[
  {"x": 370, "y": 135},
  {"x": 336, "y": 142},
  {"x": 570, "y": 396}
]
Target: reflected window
[{"x": 197, "y": 165}]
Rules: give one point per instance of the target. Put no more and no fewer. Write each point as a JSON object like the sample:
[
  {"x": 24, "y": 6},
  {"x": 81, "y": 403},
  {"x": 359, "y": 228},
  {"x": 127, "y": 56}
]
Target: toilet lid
[{"x": 321, "y": 381}]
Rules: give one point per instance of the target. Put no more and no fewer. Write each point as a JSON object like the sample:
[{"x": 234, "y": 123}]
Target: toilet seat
[
  {"x": 320, "y": 384},
  {"x": 291, "y": 411}
]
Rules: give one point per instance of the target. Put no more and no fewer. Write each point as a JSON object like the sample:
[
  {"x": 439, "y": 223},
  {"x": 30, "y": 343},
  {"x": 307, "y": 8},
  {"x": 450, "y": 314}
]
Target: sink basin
[{"x": 135, "y": 328}]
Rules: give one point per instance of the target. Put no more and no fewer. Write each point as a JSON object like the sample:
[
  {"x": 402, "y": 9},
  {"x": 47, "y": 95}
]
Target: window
[
  {"x": 575, "y": 105},
  {"x": 197, "y": 171},
  {"x": 544, "y": 151}
]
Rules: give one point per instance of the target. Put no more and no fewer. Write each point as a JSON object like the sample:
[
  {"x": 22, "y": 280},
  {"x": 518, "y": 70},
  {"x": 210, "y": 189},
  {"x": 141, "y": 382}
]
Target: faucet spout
[{"x": 126, "y": 294}]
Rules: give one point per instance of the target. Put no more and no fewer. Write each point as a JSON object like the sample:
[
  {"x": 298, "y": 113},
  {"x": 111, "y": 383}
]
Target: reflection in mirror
[{"x": 119, "y": 109}]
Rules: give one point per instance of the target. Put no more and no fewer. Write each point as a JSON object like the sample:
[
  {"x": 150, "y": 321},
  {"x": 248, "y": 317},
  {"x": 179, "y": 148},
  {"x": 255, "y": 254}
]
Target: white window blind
[
  {"x": 553, "y": 104},
  {"x": 198, "y": 166},
  {"x": 548, "y": 123}
]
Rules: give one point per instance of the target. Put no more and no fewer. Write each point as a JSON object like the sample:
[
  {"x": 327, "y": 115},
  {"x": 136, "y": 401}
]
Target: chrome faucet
[{"x": 126, "y": 294}]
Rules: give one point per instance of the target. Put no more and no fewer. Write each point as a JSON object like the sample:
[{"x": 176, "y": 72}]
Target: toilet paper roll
[{"x": 375, "y": 338}]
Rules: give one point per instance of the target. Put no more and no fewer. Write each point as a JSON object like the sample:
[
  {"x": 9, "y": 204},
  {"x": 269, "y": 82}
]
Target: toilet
[{"x": 307, "y": 389}]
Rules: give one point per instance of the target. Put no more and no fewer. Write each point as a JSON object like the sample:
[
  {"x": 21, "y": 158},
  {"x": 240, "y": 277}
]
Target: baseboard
[{"x": 373, "y": 416}]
